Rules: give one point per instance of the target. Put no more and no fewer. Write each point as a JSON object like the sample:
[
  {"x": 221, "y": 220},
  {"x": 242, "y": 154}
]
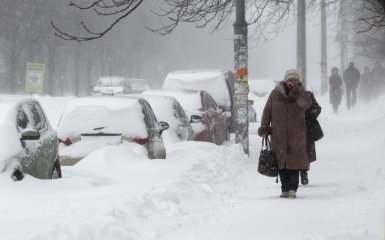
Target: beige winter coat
[{"x": 284, "y": 118}]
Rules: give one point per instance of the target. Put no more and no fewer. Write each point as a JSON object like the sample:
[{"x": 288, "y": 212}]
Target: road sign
[{"x": 34, "y": 82}]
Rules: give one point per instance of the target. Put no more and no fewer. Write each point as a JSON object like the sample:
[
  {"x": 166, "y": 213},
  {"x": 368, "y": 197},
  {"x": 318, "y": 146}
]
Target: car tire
[
  {"x": 56, "y": 170},
  {"x": 17, "y": 175}
]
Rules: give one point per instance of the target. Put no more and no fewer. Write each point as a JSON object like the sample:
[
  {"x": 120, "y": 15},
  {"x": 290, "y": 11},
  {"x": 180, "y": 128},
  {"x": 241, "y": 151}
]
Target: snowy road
[{"x": 202, "y": 191}]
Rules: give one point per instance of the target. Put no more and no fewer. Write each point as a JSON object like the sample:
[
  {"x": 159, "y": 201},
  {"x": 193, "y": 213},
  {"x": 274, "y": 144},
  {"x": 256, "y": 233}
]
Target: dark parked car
[
  {"x": 209, "y": 121},
  {"x": 90, "y": 123},
  {"x": 29, "y": 144}
]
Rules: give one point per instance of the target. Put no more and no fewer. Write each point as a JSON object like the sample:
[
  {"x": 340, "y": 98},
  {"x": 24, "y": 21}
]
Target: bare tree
[
  {"x": 374, "y": 15},
  {"x": 118, "y": 10},
  {"x": 201, "y": 13}
]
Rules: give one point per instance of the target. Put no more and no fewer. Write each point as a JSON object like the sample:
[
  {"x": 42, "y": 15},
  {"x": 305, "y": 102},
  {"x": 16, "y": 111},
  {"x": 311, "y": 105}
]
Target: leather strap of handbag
[{"x": 266, "y": 143}]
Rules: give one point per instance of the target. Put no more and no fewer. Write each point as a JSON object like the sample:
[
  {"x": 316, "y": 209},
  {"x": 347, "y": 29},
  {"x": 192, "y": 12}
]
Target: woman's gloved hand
[{"x": 264, "y": 131}]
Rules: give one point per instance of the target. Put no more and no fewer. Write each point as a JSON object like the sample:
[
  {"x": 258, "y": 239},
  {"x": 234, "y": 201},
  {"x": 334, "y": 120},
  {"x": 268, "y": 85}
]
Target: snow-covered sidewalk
[{"x": 203, "y": 191}]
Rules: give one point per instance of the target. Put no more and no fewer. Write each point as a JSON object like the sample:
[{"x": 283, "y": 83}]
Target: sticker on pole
[{"x": 34, "y": 82}]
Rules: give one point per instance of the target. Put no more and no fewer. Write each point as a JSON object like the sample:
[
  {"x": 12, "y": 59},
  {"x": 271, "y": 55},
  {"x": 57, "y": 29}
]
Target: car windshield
[
  {"x": 139, "y": 84},
  {"x": 111, "y": 82}
]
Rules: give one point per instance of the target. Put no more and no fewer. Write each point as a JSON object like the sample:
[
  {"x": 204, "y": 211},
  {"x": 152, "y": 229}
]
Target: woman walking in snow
[{"x": 284, "y": 119}]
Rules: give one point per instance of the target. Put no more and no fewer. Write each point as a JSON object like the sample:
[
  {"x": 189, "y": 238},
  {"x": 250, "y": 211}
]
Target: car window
[
  {"x": 22, "y": 120},
  {"x": 151, "y": 112},
  {"x": 39, "y": 122},
  {"x": 149, "y": 116},
  {"x": 210, "y": 103},
  {"x": 179, "y": 111}
]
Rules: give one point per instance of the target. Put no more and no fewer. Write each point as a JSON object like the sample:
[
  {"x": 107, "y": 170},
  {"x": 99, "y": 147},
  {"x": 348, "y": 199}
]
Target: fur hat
[{"x": 292, "y": 73}]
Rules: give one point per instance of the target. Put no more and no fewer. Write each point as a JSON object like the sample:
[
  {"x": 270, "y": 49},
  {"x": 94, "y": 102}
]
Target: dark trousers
[
  {"x": 289, "y": 179},
  {"x": 351, "y": 96}
]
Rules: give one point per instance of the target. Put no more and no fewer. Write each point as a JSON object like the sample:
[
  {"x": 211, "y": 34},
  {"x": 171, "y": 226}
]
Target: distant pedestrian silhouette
[
  {"x": 335, "y": 83},
  {"x": 366, "y": 85},
  {"x": 378, "y": 76},
  {"x": 351, "y": 78}
]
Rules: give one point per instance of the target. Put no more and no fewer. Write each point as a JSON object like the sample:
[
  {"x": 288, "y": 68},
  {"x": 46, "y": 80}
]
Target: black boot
[{"x": 304, "y": 179}]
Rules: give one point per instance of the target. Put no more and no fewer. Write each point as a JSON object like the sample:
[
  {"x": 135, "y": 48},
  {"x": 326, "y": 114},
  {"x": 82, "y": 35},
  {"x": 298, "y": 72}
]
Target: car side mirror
[
  {"x": 30, "y": 134},
  {"x": 195, "y": 119},
  {"x": 163, "y": 126}
]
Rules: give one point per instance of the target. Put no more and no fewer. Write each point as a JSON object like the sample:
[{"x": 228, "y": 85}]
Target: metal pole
[
  {"x": 241, "y": 86},
  {"x": 324, "y": 63},
  {"x": 301, "y": 40}
]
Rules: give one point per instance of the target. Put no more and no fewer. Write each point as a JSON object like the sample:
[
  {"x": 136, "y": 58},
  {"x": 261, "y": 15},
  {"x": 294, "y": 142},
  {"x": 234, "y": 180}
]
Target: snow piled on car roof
[
  {"x": 102, "y": 114},
  {"x": 212, "y": 81}
]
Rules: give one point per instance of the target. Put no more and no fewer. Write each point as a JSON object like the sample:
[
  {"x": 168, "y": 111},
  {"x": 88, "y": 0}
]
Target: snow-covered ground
[{"x": 203, "y": 191}]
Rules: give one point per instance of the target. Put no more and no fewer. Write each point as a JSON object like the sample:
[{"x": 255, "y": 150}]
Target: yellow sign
[{"x": 34, "y": 80}]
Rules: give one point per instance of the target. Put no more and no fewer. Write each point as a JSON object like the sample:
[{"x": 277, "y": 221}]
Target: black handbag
[
  {"x": 267, "y": 164},
  {"x": 314, "y": 130}
]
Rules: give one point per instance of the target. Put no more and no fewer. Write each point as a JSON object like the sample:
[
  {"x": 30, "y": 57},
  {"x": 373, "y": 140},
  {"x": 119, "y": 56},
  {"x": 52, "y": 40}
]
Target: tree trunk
[
  {"x": 301, "y": 40},
  {"x": 324, "y": 63},
  {"x": 89, "y": 82},
  {"x": 50, "y": 81},
  {"x": 241, "y": 86},
  {"x": 76, "y": 79},
  {"x": 12, "y": 68},
  {"x": 343, "y": 37}
]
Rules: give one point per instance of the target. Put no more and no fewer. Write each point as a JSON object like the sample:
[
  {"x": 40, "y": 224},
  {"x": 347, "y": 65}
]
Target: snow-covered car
[
  {"x": 112, "y": 86},
  {"x": 169, "y": 110},
  {"x": 251, "y": 111},
  {"x": 209, "y": 120},
  {"x": 138, "y": 85},
  {"x": 29, "y": 144},
  {"x": 217, "y": 82},
  {"x": 90, "y": 123}
]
